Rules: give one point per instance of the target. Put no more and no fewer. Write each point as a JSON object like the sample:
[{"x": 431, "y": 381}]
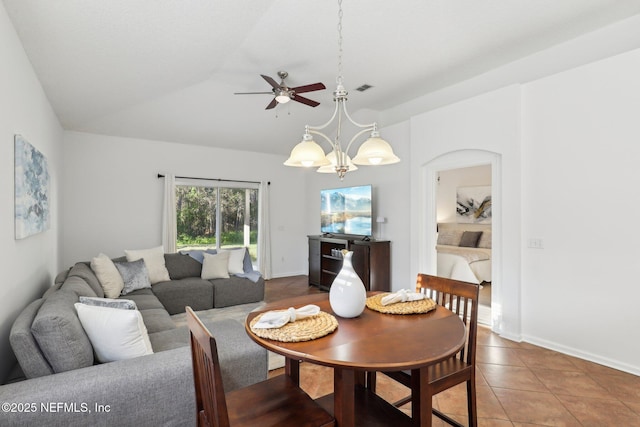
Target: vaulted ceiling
[{"x": 168, "y": 69}]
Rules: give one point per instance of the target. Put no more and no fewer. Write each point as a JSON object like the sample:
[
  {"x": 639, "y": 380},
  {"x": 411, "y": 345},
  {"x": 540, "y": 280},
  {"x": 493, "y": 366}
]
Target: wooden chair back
[
  {"x": 211, "y": 405},
  {"x": 462, "y": 299}
]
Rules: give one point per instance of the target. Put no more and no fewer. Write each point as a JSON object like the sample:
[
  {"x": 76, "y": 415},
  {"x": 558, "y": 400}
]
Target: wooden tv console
[{"x": 371, "y": 260}]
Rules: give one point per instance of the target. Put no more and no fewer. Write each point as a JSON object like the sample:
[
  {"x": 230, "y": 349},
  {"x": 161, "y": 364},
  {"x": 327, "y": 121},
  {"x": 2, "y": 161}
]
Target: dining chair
[
  {"x": 461, "y": 298},
  {"x": 274, "y": 402}
]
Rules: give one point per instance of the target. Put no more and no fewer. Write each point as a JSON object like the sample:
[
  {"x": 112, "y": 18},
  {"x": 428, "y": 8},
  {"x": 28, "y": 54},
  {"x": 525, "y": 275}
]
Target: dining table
[{"x": 370, "y": 342}]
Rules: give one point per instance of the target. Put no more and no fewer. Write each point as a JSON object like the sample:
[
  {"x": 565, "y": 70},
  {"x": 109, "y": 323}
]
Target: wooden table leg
[
  {"x": 344, "y": 381},
  {"x": 421, "y": 398},
  {"x": 292, "y": 369}
]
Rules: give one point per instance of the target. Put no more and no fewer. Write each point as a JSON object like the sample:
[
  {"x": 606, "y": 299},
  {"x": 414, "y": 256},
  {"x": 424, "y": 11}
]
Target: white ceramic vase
[{"x": 347, "y": 295}]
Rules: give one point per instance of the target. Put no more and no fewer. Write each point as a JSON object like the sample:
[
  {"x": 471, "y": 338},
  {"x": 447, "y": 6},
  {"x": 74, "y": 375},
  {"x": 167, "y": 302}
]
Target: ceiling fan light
[
  {"x": 307, "y": 154},
  {"x": 375, "y": 151},
  {"x": 331, "y": 168},
  {"x": 282, "y": 96}
]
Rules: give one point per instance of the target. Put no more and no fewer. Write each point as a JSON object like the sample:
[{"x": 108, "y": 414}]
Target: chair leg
[
  {"x": 371, "y": 381},
  {"x": 471, "y": 402}
]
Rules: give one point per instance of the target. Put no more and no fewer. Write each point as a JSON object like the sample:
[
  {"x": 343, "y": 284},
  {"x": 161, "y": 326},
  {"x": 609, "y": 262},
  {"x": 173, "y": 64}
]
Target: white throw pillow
[
  {"x": 115, "y": 334},
  {"x": 215, "y": 266},
  {"x": 236, "y": 260},
  {"x": 108, "y": 275},
  {"x": 154, "y": 261}
]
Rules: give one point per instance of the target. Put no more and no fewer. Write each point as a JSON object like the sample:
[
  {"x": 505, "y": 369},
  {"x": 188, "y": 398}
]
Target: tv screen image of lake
[{"x": 346, "y": 210}]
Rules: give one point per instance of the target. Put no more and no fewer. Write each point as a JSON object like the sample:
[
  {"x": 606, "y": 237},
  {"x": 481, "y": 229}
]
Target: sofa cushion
[
  {"x": 79, "y": 286},
  {"x": 61, "y": 277},
  {"x": 144, "y": 299},
  {"x": 51, "y": 290},
  {"x": 115, "y": 334},
  {"x": 157, "y": 320},
  {"x": 60, "y": 335},
  {"x": 236, "y": 290},
  {"x": 30, "y": 357},
  {"x": 177, "y": 294},
  {"x": 236, "y": 352},
  {"x": 154, "y": 260},
  {"x": 181, "y": 266},
  {"x": 108, "y": 275},
  {"x": 169, "y": 339},
  {"x": 83, "y": 270},
  {"x": 134, "y": 274}
]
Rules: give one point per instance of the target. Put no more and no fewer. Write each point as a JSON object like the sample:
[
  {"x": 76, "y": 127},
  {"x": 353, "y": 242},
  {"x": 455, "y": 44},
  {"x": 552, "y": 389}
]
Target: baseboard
[{"x": 570, "y": 351}]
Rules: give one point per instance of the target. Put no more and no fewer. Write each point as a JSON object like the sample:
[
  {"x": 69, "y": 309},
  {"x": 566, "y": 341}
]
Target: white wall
[
  {"x": 448, "y": 183},
  {"x": 581, "y": 133},
  {"x": 391, "y": 200},
  {"x": 28, "y": 265},
  {"x": 568, "y": 147},
  {"x": 113, "y": 198}
]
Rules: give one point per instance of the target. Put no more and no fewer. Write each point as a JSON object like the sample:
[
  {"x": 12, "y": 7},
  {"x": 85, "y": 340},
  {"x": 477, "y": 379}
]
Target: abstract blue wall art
[{"x": 31, "y": 189}]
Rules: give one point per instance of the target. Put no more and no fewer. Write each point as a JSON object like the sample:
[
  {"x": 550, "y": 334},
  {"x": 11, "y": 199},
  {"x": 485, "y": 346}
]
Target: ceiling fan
[{"x": 283, "y": 94}]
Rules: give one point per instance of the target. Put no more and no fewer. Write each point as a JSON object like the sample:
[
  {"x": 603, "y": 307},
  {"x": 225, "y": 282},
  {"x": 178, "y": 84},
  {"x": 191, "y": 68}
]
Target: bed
[{"x": 464, "y": 252}]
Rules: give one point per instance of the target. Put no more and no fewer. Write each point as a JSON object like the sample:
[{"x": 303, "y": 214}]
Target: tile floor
[{"x": 518, "y": 384}]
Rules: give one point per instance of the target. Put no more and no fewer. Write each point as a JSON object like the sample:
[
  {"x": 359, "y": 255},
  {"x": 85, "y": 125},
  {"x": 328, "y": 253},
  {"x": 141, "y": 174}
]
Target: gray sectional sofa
[{"x": 66, "y": 385}]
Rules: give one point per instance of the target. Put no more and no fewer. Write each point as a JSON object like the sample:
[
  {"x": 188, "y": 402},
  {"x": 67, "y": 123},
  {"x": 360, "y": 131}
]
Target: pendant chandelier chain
[{"x": 339, "y": 78}]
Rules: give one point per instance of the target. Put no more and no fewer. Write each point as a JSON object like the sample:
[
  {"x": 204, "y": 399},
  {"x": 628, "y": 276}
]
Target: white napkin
[
  {"x": 277, "y": 319},
  {"x": 403, "y": 295}
]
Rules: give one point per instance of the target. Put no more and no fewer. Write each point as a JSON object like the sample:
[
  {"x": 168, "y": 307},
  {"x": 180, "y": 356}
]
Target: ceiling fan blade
[
  {"x": 309, "y": 88},
  {"x": 253, "y": 93},
  {"x": 272, "y": 104},
  {"x": 305, "y": 101},
  {"x": 272, "y": 82}
]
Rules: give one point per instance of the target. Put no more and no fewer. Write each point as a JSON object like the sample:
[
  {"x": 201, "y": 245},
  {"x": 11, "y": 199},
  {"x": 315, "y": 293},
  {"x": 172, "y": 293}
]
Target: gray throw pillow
[
  {"x": 123, "y": 304},
  {"x": 134, "y": 274},
  {"x": 470, "y": 239}
]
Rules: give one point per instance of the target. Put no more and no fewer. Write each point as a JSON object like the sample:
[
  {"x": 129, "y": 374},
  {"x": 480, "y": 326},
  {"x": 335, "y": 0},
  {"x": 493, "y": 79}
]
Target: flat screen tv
[{"x": 346, "y": 210}]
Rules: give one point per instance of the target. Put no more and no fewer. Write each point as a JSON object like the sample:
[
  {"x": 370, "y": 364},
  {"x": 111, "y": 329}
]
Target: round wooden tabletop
[{"x": 372, "y": 341}]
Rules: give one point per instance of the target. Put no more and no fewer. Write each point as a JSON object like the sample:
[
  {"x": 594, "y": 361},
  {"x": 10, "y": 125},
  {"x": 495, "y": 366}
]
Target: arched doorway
[{"x": 428, "y": 216}]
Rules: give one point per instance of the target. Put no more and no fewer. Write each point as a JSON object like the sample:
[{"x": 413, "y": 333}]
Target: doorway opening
[
  {"x": 464, "y": 223},
  {"x": 435, "y": 214}
]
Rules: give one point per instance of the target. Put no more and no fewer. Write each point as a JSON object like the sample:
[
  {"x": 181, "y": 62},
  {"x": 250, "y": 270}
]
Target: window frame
[{"x": 217, "y": 185}]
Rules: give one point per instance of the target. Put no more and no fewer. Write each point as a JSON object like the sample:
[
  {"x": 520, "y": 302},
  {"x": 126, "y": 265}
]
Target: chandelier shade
[
  {"x": 375, "y": 151},
  {"x": 333, "y": 160},
  {"x": 307, "y": 154}
]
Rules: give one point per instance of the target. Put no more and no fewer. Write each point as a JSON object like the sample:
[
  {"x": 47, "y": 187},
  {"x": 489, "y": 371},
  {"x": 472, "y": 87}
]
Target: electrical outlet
[{"x": 536, "y": 243}]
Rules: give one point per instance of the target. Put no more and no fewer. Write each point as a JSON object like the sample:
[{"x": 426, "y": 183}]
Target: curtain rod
[{"x": 215, "y": 179}]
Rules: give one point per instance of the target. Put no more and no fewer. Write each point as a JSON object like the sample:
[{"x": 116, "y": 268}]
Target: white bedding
[{"x": 466, "y": 264}]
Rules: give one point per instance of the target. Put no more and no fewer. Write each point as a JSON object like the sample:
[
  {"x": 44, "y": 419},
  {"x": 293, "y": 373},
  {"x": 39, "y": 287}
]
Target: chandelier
[{"x": 374, "y": 151}]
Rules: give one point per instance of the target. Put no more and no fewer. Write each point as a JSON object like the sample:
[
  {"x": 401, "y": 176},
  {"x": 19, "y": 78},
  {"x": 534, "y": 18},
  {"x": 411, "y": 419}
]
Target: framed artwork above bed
[{"x": 473, "y": 204}]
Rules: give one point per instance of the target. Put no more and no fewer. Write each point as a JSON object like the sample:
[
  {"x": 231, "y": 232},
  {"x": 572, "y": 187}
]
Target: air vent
[{"x": 363, "y": 87}]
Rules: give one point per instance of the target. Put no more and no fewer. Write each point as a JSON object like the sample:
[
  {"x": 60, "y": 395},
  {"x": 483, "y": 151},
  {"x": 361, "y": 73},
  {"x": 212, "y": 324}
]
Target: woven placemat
[
  {"x": 301, "y": 330},
  {"x": 409, "y": 307}
]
